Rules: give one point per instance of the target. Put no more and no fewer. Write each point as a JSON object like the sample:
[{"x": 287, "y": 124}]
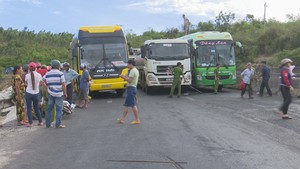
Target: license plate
[
  {"x": 169, "y": 79},
  {"x": 106, "y": 86}
]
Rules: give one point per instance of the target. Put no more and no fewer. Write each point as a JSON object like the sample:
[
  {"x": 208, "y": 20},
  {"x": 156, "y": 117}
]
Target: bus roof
[
  {"x": 100, "y": 29},
  {"x": 165, "y": 41},
  {"x": 100, "y": 32},
  {"x": 208, "y": 35}
]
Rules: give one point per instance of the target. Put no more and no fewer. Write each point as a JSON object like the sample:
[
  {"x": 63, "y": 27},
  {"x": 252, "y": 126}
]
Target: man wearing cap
[
  {"x": 70, "y": 76},
  {"x": 285, "y": 87},
  {"x": 56, "y": 83},
  {"x": 132, "y": 80},
  {"x": 247, "y": 77}
]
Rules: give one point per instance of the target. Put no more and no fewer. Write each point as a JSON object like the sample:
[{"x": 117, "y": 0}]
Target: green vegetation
[
  {"x": 21, "y": 47},
  {"x": 270, "y": 40}
]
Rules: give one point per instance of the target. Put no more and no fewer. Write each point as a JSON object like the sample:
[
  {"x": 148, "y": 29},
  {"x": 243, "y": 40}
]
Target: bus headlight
[
  {"x": 234, "y": 75},
  {"x": 151, "y": 78}
]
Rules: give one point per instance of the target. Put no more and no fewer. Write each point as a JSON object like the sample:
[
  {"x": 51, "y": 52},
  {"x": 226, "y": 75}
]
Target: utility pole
[{"x": 265, "y": 8}]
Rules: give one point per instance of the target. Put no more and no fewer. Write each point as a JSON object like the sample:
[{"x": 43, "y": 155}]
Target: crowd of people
[
  {"x": 50, "y": 86},
  {"x": 286, "y": 87},
  {"x": 45, "y": 89}
]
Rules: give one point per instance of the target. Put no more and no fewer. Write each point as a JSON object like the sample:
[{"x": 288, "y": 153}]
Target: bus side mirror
[
  {"x": 242, "y": 52},
  {"x": 239, "y": 44},
  {"x": 81, "y": 52}
]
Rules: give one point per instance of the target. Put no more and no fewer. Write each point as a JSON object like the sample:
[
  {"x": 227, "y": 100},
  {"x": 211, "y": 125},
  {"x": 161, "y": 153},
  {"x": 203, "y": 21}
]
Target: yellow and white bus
[{"x": 104, "y": 50}]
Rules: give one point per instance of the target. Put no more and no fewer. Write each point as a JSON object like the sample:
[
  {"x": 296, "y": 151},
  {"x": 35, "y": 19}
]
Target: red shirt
[{"x": 42, "y": 72}]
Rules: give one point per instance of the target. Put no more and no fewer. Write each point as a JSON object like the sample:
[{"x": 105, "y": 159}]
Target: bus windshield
[
  {"x": 104, "y": 55},
  {"x": 168, "y": 51},
  {"x": 209, "y": 53}
]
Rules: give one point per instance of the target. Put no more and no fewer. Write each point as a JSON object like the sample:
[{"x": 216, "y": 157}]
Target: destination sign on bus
[{"x": 211, "y": 43}]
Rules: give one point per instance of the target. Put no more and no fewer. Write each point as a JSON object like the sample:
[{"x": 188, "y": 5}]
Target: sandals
[
  {"x": 61, "y": 126},
  {"x": 136, "y": 122},
  {"x": 120, "y": 121},
  {"x": 40, "y": 124},
  {"x": 29, "y": 125},
  {"x": 286, "y": 117},
  {"x": 22, "y": 123}
]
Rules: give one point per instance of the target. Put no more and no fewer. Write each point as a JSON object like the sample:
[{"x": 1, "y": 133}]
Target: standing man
[
  {"x": 216, "y": 72},
  {"x": 186, "y": 24},
  {"x": 130, "y": 101},
  {"x": 265, "y": 79},
  {"x": 56, "y": 83},
  {"x": 84, "y": 87},
  {"x": 285, "y": 87},
  {"x": 70, "y": 76},
  {"x": 177, "y": 71},
  {"x": 247, "y": 77}
]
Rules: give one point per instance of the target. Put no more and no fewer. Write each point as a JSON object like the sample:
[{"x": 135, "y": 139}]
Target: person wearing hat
[
  {"x": 265, "y": 79},
  {"x": 247, "y": 77},
  {"x": 70, "y": 76},
  {"x": 216, "y": 74},
  {"x": 285, "y": 87},
  {"x": 131, "y": 88},
  {"x": 33, "y": 80},
  {"x": 56, "y": 83}
]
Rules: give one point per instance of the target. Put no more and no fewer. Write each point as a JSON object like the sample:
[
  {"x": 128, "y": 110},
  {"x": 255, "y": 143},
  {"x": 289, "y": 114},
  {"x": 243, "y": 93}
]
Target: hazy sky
[{"x": 135, "y": 16}]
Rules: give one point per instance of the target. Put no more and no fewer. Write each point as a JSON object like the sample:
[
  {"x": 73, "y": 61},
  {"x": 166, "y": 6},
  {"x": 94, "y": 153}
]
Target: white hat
[{"x": 285, "y": 61}]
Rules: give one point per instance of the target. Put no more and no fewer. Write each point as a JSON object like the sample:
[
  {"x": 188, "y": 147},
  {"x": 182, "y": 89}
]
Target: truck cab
[{"x": 158, "y": 58}]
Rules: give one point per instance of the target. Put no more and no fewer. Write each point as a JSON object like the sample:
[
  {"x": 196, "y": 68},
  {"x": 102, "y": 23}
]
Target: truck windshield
[
  {"x": 168, "y": 51},
  {"x": 104, "y": 55},
  {"x": 209, "y": 53}
]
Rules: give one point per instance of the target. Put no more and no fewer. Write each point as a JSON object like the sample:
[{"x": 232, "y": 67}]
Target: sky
[{"x": 135, "y": 16}]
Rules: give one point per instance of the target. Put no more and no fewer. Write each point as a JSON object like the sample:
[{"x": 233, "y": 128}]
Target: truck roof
[{"x": 165, "y": 41}]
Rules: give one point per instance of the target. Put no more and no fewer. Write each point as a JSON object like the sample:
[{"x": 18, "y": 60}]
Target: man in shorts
[
  {"x": 130, "y": 101},
  {"x": 84, "y": 87}
]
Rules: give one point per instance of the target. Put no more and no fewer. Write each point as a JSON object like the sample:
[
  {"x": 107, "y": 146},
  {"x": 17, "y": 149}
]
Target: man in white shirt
[{"x": 247, "y": 76}]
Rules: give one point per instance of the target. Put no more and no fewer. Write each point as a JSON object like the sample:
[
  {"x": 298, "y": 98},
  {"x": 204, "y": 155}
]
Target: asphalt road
[{"x": 199, "y": 131}]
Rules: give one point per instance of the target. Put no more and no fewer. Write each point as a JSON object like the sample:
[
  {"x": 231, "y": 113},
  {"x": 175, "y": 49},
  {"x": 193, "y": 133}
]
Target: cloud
[
  {"x": 35, "y": 2},
  {"x": 55, "y": 12},
  {"x": 210, "y": 8},
  {"x": 189, "y": 7}
]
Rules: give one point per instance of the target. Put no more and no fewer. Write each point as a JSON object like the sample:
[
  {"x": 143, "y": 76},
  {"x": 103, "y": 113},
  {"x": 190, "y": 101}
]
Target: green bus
[{"x": 212, "y": 48}]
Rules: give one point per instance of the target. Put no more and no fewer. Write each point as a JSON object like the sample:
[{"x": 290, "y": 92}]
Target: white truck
[{"x": 158, "y": 58}]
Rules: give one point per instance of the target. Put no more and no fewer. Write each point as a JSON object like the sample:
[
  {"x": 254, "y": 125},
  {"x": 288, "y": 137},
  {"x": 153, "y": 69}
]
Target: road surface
[{"x": 199, "y": 131}]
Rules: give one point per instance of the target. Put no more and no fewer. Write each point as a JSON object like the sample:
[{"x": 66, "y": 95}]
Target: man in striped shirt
[{"x": 55, "y": 81}]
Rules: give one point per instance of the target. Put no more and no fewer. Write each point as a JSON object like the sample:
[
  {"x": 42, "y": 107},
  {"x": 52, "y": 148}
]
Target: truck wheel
[{"x": 120, "y": 92}]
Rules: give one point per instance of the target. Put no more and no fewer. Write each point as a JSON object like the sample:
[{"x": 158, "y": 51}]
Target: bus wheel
[
  {"x": 220, "y": 88},
  {"x": 120, "y": 92}
]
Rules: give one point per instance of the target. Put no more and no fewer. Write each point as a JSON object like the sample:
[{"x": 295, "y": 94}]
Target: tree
[{"x": 223, "y": 21}]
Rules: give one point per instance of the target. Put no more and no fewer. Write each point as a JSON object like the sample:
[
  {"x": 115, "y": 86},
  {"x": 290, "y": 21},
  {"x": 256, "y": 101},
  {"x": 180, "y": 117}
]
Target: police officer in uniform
[{"x": 177, "y": 71}]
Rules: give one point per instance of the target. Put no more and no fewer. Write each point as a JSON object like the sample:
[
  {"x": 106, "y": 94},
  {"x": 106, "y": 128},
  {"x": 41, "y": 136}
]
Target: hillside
[{"x": 20, "y": 47}]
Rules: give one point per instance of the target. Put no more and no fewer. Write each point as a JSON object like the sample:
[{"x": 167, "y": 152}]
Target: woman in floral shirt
[{"x": 19, "y": 94}]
